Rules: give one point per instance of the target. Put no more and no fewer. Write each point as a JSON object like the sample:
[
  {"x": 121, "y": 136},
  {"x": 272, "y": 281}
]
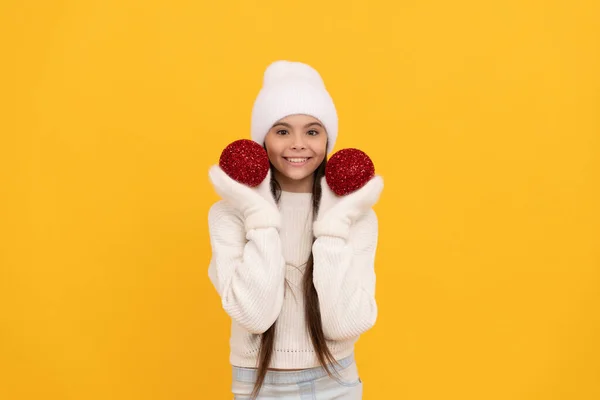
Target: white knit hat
[{"x": 292, "y": 88}]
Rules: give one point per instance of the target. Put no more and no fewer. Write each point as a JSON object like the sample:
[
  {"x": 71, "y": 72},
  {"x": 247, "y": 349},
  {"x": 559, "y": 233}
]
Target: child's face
[{"x": 296, "y": 145}]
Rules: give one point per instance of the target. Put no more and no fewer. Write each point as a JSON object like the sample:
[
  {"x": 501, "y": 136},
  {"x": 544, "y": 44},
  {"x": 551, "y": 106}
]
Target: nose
[{"x": 298, "y": 143}]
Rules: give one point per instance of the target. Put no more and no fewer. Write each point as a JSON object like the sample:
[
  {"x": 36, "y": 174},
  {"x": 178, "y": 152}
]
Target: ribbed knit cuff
[
  {"x": 332, "y": 227},
  {"x": 262, "y": 220}
]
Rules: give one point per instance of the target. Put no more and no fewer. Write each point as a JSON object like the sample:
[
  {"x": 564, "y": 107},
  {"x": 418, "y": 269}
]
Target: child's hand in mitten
[{"x": 250, "y": 191}]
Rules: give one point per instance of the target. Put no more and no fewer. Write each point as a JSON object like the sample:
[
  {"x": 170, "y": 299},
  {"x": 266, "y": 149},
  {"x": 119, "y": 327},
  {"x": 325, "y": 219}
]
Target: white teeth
[{"x": 297, "y": 160}]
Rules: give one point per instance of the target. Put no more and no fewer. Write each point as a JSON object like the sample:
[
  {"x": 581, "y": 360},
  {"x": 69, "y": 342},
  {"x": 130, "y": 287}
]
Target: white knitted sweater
[{"x": 249, "y": 270}]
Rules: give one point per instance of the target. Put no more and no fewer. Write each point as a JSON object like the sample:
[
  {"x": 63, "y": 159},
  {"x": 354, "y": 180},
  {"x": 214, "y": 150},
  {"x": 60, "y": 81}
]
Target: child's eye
[
  {"x": 313, "y": 132},
  {"x": 282, "y": 132}
]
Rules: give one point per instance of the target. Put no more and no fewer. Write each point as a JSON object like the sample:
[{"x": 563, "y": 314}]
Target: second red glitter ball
[{"x": 348, "y": 170}]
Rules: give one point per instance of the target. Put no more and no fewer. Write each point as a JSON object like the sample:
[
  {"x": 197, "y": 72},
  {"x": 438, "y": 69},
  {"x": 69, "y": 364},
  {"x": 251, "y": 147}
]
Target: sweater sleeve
[
  {"x": 247, "y": 268},
  {"x": 344, "y": 277}
]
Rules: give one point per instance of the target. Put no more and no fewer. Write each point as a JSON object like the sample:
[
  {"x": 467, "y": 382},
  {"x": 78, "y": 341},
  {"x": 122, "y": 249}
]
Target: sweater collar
[{"x": 295, "y": 199}]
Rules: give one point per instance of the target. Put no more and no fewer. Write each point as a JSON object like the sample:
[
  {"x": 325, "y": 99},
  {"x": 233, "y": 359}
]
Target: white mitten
[
  {"x": 337, "y": 213},
  {"x": 257, "y": 205}
]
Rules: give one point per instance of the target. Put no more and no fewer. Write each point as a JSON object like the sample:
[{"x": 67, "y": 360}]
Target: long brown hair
[{"x": 312, "y": 311}]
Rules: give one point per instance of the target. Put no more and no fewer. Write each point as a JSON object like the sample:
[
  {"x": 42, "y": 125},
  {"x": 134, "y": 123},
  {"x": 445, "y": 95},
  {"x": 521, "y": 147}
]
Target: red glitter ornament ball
[
  {"x": 348, "y": 170},
  {"x": 245, "y": 161}
]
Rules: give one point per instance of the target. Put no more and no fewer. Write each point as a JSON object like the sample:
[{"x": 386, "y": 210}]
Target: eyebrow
[{"x": 290, "y": 126}]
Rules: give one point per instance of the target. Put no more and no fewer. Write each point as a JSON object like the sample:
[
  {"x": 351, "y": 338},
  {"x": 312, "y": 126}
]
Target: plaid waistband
[{"x": 242, "y": 374}]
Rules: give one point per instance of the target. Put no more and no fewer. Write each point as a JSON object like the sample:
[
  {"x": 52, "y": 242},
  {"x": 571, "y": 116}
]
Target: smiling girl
[{"x": 293, "y": 263}]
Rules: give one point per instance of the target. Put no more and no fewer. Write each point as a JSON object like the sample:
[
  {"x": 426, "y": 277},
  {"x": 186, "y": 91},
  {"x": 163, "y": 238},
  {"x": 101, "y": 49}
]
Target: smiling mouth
[{"x": 297, "y": 160}]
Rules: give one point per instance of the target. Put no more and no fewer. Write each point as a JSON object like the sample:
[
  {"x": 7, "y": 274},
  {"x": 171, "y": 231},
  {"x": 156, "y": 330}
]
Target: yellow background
[{"x": 482, "y": 117}]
